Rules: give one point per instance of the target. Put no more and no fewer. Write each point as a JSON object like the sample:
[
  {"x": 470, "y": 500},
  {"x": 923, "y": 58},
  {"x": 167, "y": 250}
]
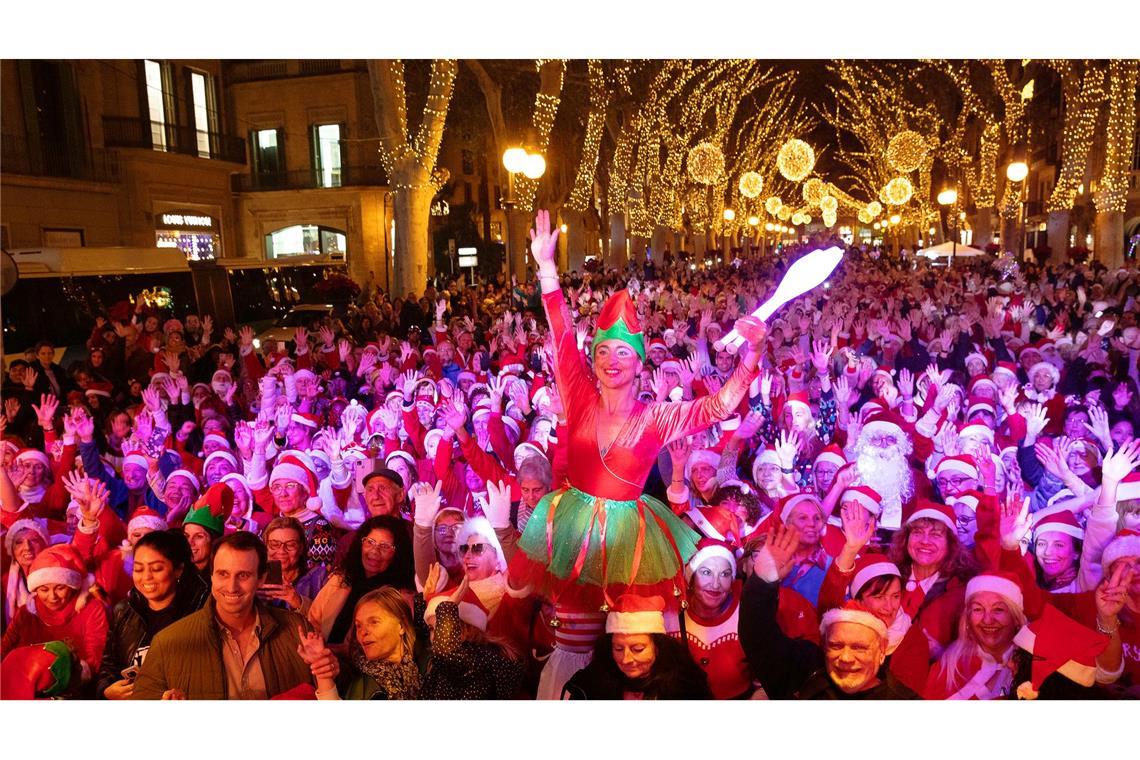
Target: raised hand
[
  {"x": 766, "y": 387},
  {"x": 426, "y": 500},
  {"x": 906, "y": 384},
  {"x": 679, "y": 451},
  {"x": 312, "y": 647},
  {"x": 172, "y": 360},
  {"x": 544, "y": 243},
  {"x": 787, "y": 446},
  {"x": 498, "y": 507},
  {"x": 344, "y": 350},
  {"x": 1098, "y": 426},
  {"x": 1013, "y": 517},
  {"x": 781, "y": 547},
  {"x": 144, "y": 426},
  {"x": 45, "y": 412},
  {"x": 455, "y": 414},
  {"x": 753, "y": 330},
  {"x": 327, "y": 336},
  {"x": 1112, "y": 594},
  {"x": 821, "y": 356},
  {"x": 262, "y": 435},
  {"x": 1119, "y": 464},
  {"x": 1036, "y": 421},
  {"x": 390, "y": 420},
  {"x": 152, "y": 400},
  {"x": 11, "y": 408},
  {"x": 495, "y": 391},
  {"x": 30, "y": 377},
  {"x": 245, "y": 337},
  {"x": 243, "y": 438},
  {"x": 889, "y": 394},
  {"x": 858, "y": 526},
  {"x": 300, "y": 341}
]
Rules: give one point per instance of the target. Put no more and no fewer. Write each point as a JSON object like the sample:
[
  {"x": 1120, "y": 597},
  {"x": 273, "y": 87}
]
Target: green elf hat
[
  {"x": 38, "y": 671},
  {"x": 618, "y": 321},
  {"x": 212, "y": 509}
]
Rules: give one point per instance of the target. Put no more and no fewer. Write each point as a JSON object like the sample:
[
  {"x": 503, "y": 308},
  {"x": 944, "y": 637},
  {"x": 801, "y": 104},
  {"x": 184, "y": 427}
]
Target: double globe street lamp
[{"x": 532, "y": 166}]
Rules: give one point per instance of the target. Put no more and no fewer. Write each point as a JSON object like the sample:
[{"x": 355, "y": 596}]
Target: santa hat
[
  {"x": 136, "y": 458},
  {"x": 304, "y": 374},
  {"x": 1060, "y": 521},
  {"x": 433, "y": 436},
  {"x": 969, "y": 501},
  {"x": 979, "y": 404},
  {"x": 963, "y": 464},
  {"x": 798, "y": 397},
  {"x": 865, "y": 496},
  {"x": 21, "y": 525},
  {"x": 1001, "y": 583},
  {"x": 99, "y": 389},
  {"x": 618, "y": 321},
  {"x": 34, "y": 455},
  {"x": 977, "y": 356},
  {"x": 481, "y": 527},
  {"x": 305, "y": 419},
  {"x": 217, "y": 438},
  {"x": 717, "y": 523},
  {"x": 883, "y": 370},
  {"x": 1008, "y": 368},
  {"x": 38, "y": 671},
  {"x": 191, "y": 477},
  {"x": 710, "y": 548},
  {"x": 1129, "y": 488},
  {"x": 1053, "y": 371},
  {"x": 932, "y": 510},
  {"x": 171, "y": 325},
  {"x": 976, "y": 430},
  {"x": 869, "y": 567},
  {"x": 401, "y": 454},
  {"x": 239, "y": 479},
  {"x": 852, "y": 612},
  {"x": 59, "y": 564},
  {"x": 212, "y": 509},
  {"x": 701, "y": 456},
  {"x": 766, "y": 456},
  {"x": 792, "y": 501},
  {"x": 471, "y": 609},
  {"x": 658, "y": 343},
  {"x": 832, "y": 454},
  {"x": 885, "y": 423},
  {"x": 1060, "y": 644},
  {"x": 216, "y": 455},
  {"x": 511, "y": 427},
  {"x": 298, "y": 467},
  {"x": 145, "y": 517},
  {"x": 1125, "y": 544},
  {"x": 511, "y": 363},
  {"x": 633, "y": 614},
  {"x": 528, "y": 449}
]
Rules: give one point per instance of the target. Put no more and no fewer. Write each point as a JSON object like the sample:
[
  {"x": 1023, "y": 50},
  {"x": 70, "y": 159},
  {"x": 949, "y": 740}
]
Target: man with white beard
[{"x": 882, "y": 458}]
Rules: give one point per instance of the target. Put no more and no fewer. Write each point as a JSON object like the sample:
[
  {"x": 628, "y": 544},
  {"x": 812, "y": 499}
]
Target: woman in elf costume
[{"x": 600, "y": 537}]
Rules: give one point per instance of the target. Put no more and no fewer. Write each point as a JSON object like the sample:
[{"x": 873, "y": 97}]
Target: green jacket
[{"x": 188, "y": 656}]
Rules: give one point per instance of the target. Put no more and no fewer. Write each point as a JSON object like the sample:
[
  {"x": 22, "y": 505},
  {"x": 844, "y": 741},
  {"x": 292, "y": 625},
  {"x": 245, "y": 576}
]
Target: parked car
[{"x": 301, "y": 315}]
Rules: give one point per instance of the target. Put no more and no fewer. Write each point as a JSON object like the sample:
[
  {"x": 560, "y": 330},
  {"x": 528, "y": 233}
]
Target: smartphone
[
  {"x": 273, "y": 573},
  {"x": 130, "y": 673}
]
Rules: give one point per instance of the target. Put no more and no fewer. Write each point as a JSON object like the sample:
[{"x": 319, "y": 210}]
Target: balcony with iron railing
[
  {"x": 134, "y": 132},
  {"x": 308, "y": 179},
  {"x": 237, "y": 72},
  {"x": 53, "y": 159}
]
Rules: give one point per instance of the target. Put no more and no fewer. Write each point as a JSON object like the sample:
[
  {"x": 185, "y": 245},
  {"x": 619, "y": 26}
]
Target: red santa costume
[{"x": 713, "y": 641}]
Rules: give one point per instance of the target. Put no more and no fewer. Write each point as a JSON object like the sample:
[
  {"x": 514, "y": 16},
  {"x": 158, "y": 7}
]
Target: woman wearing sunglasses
[{"x": 380, "y": 554}]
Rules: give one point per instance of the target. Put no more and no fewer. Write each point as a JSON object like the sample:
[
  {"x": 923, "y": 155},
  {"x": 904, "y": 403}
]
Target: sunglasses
[{"x": 476, "y": 549}]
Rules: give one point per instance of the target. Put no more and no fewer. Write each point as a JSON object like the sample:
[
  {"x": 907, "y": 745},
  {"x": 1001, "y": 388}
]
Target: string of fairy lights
[
  {"x": 546, "y": 103},
  {"x": 1120, "y": 132},
  {"x": 410, "y": 164},
  {"x": 583, "y": 189},
  {"x": 1084, "y": 95}
]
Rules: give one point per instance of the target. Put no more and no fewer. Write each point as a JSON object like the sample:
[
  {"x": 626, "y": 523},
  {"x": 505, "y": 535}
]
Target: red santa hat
[
  {"x": 633, "y": 614},
  {"x": 99, "y": 389},
  {"x": 299, "y": 468},
  {"x": 216, "y": 455},
  {"x": 1059, "y": 521},
  {"x": 978, "y": 357},
  {"x": 865, "y": 496},
  {"x": 511, "y": 428},
  {"x": 869, "y": 567},
  {"x": 790, "y": 502},
  {"x": 528, "y": 449},
  {"x": 511, "y": 363},
  {"x": 701, "y": 456},
  {"x": 60, "y": 564},
  {"x": 932, "y": 510},
  {"x": 852, "y": 612},
  {"x": 1001, "y": 583},
  {"x": 471, "y": 609},
  {"x": 136, "y": 458},
  {"x": 1129, "y": 488},
  {"x": 969, "y": 501},
  {"x": 978, "y": 430},
  {"x": 217, "y": 438},
  {"x": 717, "y": 523},
  {"x": 1125, "y": 544},
  {"x": 1044, "y": 365},
  {"x": 409, "y": 460},
  {"x": 963, "y": 464},
  {"x": 145, "y": 517},
  {"x": 885, "y": 423},
  {"x": 34, "y": 455},
  {"x": 883, "y": 370},
  {"x": 1008, "y": 368},
  {"x": 190, "y": 477},
  {"x": 658, "y": 343},
  {"x": 710, "y": 548},
  {"x": 800, "y": 398},
  {"x": 310, "y": 421},
  {"x": 1060, "y": 644},
  {"x": 21, "y": 525},
  {"x": 832, "y": 454}
]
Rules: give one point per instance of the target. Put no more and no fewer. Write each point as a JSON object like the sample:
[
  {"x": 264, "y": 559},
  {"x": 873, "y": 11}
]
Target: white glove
[
  {"x": 427, "y": 501},
  {"x": 498, "y": 506}
]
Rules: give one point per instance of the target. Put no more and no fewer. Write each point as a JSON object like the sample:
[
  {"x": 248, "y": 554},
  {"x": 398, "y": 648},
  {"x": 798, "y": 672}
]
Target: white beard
[{"x": 888, "y": 473}]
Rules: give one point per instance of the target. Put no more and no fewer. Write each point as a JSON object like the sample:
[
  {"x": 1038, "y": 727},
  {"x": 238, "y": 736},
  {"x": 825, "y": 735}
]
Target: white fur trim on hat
[
  {"x": 796, "y": 500},
  {"x": 701, "y": 456},
  {"x": 1056, "y": 374},
  {"x": 977, "y": 429},
  {"x": 863, "y": 500},
  {"x": 154, "y": 522},
  {"x": 933, "y": 514},
  {"x": 997, "y": 584},
  {"x": 21, "y": 525},
  {"x": 832, "y": 458},
  {"x": 954, "y": 464},
  {"x": 219, "y": 455},
  {"x": 704, "y": 554},
  {"x": 859, "y": 617},
  {"x": 870, "y": 572},
  {"x": 35, "y": 454},
  {"x": 188, "y": 475},
  {"x": 1121, "y": 546},
  {"x": 883, "y": 426},
  {"x": 44, "y": 575},
  {"x": 481, "y": 527},
  {"x": 136, "y": 459},
  {"x": 647, "y": 622}
]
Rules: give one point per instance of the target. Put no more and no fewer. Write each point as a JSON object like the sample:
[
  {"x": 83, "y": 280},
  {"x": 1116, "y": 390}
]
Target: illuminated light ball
[
  {"x": 906, "y": 151},
  {"x": 874, "y": 208},
  {"x": 863, "y": 216},
  {"x": 898, "y": 191},
  {"x": 773, "y": 205},
  {"x": 829, "y": 218},
  {"x": 795, "y": 160},
  {"x": 706, "y": 163},
  {"x": 813, "y": 190},
  {"x": 751, "y": 184},
  {"x": 797, "y": 218},
  {"x": 828, "y": 203},
  {"x": 785, "y": 214},
  {"x": 807, "y": 218}
]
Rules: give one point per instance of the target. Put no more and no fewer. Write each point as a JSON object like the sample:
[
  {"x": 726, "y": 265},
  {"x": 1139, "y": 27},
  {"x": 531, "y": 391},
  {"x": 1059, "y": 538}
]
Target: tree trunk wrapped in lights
[
  {"x": 1112, "y": 192},
  {"x": 409, "y": 161}
]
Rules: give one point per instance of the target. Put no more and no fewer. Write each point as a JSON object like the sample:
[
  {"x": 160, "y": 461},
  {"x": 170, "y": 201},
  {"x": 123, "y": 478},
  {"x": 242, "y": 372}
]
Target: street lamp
[
  {"x": 949, "y": 197},
  {"x": 518, "y": 161},
  {"x": 1017, "y": 171}
]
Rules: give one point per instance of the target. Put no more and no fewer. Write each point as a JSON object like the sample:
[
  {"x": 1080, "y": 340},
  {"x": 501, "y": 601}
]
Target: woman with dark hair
[
  {"x": 287, "y": 544},
  {"x": 380, "y": 554},
  {"x": 931, "y": 560},
  {"x": 159, "y": 597},
  {"x": 636, "y": 659}
]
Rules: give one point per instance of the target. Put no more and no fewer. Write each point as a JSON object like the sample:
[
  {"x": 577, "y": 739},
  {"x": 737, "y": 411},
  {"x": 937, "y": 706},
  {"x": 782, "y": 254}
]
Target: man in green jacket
[{"x": 235, "y": 647}]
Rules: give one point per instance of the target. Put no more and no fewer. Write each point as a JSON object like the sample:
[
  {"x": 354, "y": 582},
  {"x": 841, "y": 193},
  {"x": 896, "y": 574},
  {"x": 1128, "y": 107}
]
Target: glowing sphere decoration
[
  {"x": 797, "y": 218},
  {"x": 773, "y": 204},
  {"x": 813, "y": 190},
  {"x": 751, "y": 184},
  {"x": 906, "y": 151},
  {"x": 706, "y": 163},
  {"x": 898, "y": 191},
  {"x": 795, "y": 160},
  {"x": 874, "y": 208},
  {"x": 829, "y": 218},
  {"x": 807, "y": 218},
  {"x": 863, "y": 216},
  {"x": 784, "y": 213},
  {"x": 828, "y": 203}
]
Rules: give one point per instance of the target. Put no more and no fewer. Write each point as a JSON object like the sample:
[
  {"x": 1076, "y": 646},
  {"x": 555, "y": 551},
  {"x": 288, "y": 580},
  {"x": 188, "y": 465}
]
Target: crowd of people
[{"x": 911, "y": 483}]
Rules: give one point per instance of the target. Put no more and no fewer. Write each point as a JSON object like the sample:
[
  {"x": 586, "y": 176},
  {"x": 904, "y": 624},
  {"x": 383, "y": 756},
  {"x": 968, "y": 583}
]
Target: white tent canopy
[{"x": 945, "y": 249}]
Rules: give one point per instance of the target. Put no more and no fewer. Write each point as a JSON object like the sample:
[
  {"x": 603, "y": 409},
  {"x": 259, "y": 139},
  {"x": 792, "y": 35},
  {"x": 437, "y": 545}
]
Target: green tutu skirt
[{"x": 575, "y": 544}]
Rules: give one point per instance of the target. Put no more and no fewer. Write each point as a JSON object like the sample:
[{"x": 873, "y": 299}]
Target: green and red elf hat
[
  {"x": 618, "y": 321},
  {"x": 38, "y": 671}
]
